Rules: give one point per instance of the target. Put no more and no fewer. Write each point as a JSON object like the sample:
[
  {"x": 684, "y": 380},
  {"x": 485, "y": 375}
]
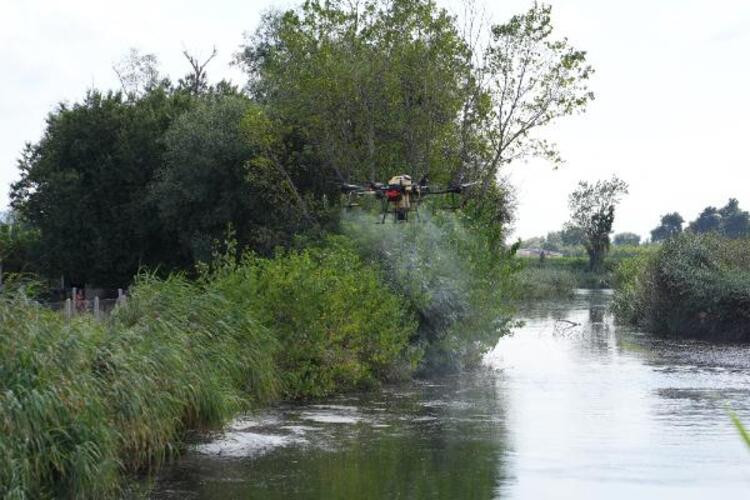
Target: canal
[{"x": 569, "y": 406}]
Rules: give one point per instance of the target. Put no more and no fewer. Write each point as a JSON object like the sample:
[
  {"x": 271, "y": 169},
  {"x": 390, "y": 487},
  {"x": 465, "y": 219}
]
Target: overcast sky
[{"x": 670, "y": 115}]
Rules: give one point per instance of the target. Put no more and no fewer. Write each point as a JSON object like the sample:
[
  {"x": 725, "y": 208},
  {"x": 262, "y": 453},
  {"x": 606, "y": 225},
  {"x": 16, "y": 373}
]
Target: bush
[
  {"x": 339, "y": 327},
  {"x": 697, "y": 285},
  {"x": 542, "y": 282}
]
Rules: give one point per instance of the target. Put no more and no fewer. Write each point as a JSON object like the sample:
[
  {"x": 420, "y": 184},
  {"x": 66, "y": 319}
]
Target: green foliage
[
  {"x": 202, "y": 185},
  {"x": 83, "y": 187},
  {"x": 339, "y": 91},
  {"x": 533, "y": 80},
  {"x": 338, "y": 326},
  {"x": 735, "y": 223},
  {"x": 544, "y": 282},
  {"x": 592, "y": 208},
  {"x": 377, "y": 86},
  {"x": 577, "y": 266},
  {"x": 729, "y": 221},
  {"x": 453, "y": 270},
  {"x": 693, "y": 285},
  {"x": 629, "y": 239},
  {"x": 83, "y": 401},
  {"x": 671, "y": 225},
  {"x": 568, "y": 241},
  {"x": 370, "y": 88},
  {"x": 150, "y": 180},
  {"x": 19, "y": 246}
]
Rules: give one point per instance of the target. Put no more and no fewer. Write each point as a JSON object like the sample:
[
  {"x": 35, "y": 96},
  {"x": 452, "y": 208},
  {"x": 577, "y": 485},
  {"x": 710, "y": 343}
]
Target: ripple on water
[
  {"x": 330, "y": 418},
  {"x": 248, "y": 422},
  {"x": 245, "y": 444}
]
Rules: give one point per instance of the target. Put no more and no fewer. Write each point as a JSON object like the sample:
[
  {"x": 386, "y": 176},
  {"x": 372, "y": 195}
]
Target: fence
[{"x": 100, "y": 308}]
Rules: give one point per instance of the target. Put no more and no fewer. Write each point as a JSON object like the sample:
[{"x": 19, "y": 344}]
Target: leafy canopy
[{"x": 592, "y": 207}]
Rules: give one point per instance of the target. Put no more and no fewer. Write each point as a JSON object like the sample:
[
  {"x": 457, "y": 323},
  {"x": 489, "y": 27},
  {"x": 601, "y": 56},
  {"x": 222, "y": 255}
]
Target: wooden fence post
[
  {"x": 68, "y": 309},
  {"x": 97, "y": 314},
  {"x": 74, "y": 300}
]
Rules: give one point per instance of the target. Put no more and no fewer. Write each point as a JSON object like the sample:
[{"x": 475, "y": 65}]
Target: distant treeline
[{"x": 729, "y": 221}]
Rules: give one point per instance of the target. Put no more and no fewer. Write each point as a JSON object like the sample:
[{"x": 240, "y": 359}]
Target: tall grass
[
  {"x": 84, "y": 403},
  {"x": 545, "y": 282}
]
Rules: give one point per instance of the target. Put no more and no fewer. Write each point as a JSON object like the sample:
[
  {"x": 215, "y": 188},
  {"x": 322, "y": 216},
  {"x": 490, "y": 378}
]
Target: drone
[{"x": 400, "y": 195}]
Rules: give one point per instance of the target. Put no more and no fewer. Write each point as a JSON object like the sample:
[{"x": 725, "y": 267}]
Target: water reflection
[
  {"x": 573, "y": 406},
  {"x": 445, "y": 439},
  {"x": 607, "y": 412}
]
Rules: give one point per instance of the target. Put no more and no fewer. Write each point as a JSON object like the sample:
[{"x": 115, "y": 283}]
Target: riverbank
[
  {"x": 558, "y": 277},
  {"x": 693, "y": 286},
  {"x": 87, "y": 403}
]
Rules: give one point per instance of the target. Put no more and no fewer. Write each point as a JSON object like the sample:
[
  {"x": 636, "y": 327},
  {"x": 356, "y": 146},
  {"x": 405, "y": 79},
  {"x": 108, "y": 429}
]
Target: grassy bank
[
  {"x": 545, "y": 282},
  {"x": 693, "y": 285},
  {"x": 84, "y": 403},
  {"x": 559, "y": 276}
]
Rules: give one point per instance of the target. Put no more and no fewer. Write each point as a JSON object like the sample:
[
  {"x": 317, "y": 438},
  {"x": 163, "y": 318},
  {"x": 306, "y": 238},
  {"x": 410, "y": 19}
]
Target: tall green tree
[
  {"x": 729, "y": 220},
  {"x": 708, "y": 221},
  {"x": 84, "y": 186},
  {"x": 671, "y": 225},
  {"x": 382, "y": 87},
  {"x": 201, "y": 188},
  {"x": 735, "y": 222},
  {"x": 530, "y": 78},
  {"x": 374, "y": 88},
  {"x": 592, "y": 207},
  {"x": 627, "y": 239}
]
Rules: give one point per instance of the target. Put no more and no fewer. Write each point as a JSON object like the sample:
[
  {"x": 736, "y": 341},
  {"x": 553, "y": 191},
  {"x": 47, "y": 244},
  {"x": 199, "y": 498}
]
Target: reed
[
  {"x": 85, "y": 403},
  {"x": 545, "y": 282}
]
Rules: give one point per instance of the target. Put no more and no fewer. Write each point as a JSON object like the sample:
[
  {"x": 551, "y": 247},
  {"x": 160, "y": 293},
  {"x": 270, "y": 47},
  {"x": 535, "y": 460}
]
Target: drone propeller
[
  {"x": 460, "y": 188},
  {"x": 350, "y": 188}
]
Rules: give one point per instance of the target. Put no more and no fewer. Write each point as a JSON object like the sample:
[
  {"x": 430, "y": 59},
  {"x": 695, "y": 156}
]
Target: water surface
[{"x": 570, "y": 406}]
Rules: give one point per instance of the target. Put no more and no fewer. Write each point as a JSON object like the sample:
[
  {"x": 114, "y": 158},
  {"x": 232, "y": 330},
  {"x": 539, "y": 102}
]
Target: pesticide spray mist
[{"x": 447, "y": 268}]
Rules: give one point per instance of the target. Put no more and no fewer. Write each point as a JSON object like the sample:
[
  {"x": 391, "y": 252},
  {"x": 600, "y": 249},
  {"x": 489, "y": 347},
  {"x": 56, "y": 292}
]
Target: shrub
[
  {"x": 696, "y": 285},
  {"x": 535, "y": 282},
  {"x": 339, "y": 327}
]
